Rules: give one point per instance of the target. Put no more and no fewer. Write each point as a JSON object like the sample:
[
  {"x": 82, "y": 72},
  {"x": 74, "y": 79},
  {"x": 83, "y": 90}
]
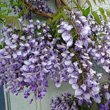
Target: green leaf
[
  {"x": 86, "y": 11},
  {"x": 14, "y": 21},
  {"x": 11, "y": 1},
  {"x": 78, "y": 5},
  {"x": 102, "y": 34},
  {"x": 101, "y": 10},
  {"x": 1, "y": 47},
  {"x": 20, "y": 14},
  {"x": 109, "y": 88},
  {"x": 99, "y": 1},
  {"x": 58, "y": 16},
  {"x": 2, "y": 11},
  {"x": 96, "y": 17},
  {"x": 94, "y": 106},
  {"x": 4, "y": 44},
  {"x": 89, "y": 3},
  {"x": 3, "y": 5},
  {"x": 103, "y": 14},
  {"x": 1, "y": 20},
  {"x": 3, "y": 16},
  {"x": 94, "y": 2},
  {"x": 64, "y": 15},
  {"x": 58, "y": 34},
  {"x": 108, "y": 12},
  {"x": 10, "y": 10},
  {"x": 103, "y": 1},
  {"x": 14, "y": 4}
]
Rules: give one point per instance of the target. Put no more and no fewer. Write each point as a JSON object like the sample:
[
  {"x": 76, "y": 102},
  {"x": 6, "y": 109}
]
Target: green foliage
[
  {"x": 23, "y": 12},
  {"x": 14, "y": 21},
  {"x": 94, "y": 106},
  {"x": 78, "y": 5},
  {"x": 10, "y": 10},
  {"x": 89, "y": 3},
  {"x": 86, "y": 11},
  {"x": 3, "y": 16},
  {"x": 2, "y": 11},
  {"x": 108, "y": 12},
  {"x": 14, "y": 4},
  {"x": 96, "y": 17},
  {"x": 3, "y": 5},
  {"x": 100, "y": 1},
  {"x": 58, "y": 16},
  {"x": 2, "y": 45},
  {"x": 103, "y": 13},
  {"x": 94, "y": 2},
  {"x": 1, "y": 20}
]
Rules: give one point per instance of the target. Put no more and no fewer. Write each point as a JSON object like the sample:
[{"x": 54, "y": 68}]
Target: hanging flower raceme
[
  {"x": 64, "y": 29},
  {"x": 34, "y": 55},
  {"x": 28, "y": 60},
  {"x": 41, "y": 5},
  {"x": 24, "y": 12},
  {"x": 64, "y": 102},
  {"x": 67, "y": 101}
]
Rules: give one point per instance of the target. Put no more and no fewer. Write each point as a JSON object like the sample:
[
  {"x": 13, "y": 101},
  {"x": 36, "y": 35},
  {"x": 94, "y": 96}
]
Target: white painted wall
[{"x": 19, "y": 103}]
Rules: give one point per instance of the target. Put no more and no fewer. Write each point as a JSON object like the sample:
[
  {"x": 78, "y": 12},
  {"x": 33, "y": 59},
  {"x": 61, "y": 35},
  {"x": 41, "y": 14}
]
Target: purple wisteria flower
[
  {"x": 65, "y": 29},
  {"x": 28, "y": 60},
  {"x": 64, "y": 102}
]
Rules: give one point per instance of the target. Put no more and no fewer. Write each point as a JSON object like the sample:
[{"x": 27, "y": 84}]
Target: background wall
[{"x": 19, "y": 103}]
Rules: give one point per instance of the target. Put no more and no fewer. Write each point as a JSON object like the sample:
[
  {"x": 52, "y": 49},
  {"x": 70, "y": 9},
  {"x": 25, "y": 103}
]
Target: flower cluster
[
  {"x": 64, "y": 29},
  {"x": 38, "y": 4},
  {"x": 91, "y": 44},
  {"x": 64, "y": 102},
  {"x": 30, "y": 57},
  {"x": 41, "y": 5},
  {"x": 67, "y": 101},
  {"x": 27, "y": 60}
]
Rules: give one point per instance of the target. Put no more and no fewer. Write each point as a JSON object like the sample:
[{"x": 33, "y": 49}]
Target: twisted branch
[
  {"x": 32, "y": 8},
  {"x": 36, "y": 11},
  {"x": 60, "y": 3},
  {"x": 64, "y": 2}
]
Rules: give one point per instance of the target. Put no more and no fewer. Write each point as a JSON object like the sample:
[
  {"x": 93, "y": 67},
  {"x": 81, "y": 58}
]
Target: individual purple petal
[
  {"x": 58, "y": 84},
  {"x": 78, "y": 92},
  {"x": 79, "y": 43},
  {"x": 75, "y": 86},
  {"x": 78, "y": 23},
  {"x": 68, "y": 62},
  {"x": 70, "y": 43},
  {"x": 83, "y": 86},
  {"x": 71, "y": 81},
  {"x": 87, "y": 96},
  {"x": 61, "y": 30},
  {"x": 85, "y": 31},
  {"x": 67, "y": 27},
  {"x": 66, "y": 36}
]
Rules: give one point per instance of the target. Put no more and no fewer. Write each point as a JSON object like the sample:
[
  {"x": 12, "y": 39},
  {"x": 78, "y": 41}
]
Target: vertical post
[
  {"x": 2, "y": 101},
  {"x": 4, "y": 97},
  {"x": 7, "y": 100}
]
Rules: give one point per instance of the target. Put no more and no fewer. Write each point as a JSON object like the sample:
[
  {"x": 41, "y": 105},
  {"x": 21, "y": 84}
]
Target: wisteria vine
[
  {"x": 23, "y": 10},
  {"x": 64, "y": 53}
]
